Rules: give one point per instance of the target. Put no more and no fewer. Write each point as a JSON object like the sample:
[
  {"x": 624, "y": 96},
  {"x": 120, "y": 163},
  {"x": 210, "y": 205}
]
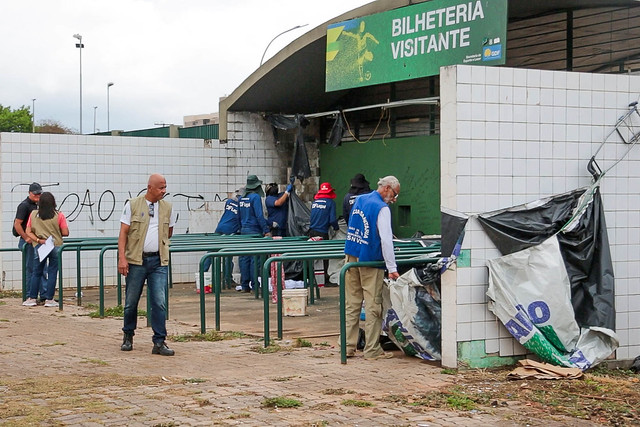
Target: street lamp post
[
  {"x": 33, "y": 115},
  {"x": 108, "y": 124},
  {"x": 79, "y": 45},
  {"x": 94, "y": 118},
  {"x": 284, "y": 32}
]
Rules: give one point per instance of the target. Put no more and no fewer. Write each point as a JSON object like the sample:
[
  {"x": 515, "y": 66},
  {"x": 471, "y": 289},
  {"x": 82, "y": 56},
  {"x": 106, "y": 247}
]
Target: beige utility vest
[
  {"x": 43, "y": 228},
  {"x": 139, "y": 226}
]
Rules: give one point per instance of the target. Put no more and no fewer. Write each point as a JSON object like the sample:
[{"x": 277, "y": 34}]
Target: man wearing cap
[
  {"x": 323, "y": 215},
  {"x": 146, "y": 225},
  {"x": 369, "y": 238},
  {"x": 251, "y": 222},
  {"x": 23, "y": 212},
  {"x": 323, "y": 212},
  {"x": 359, "y": 186}
]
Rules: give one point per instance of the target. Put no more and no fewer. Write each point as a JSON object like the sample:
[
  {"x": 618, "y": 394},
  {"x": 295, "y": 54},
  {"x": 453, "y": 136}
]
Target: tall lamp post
[
  {"x": 284, "y": 32},
  {"x": 108, "y": 124},
  {"x": 94, "y": 118},
  {"x": 33, "y": 115},
  {"x": 79, "y": 45}
]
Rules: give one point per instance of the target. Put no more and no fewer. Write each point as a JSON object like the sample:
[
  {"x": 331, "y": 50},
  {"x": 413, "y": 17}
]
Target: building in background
[
  {"x": 471, "y": 136},
  {"x": 200, "y": 120}
]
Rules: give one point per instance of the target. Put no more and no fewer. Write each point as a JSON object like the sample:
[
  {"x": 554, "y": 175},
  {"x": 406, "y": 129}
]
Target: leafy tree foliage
[
  {"x": 15, "y": 121},
  {"x": 52, "y": 126}
]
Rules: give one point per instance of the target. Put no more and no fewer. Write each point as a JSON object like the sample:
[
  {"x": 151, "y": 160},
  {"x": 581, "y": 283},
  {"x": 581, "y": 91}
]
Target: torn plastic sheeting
[
  {"x": 529, "y": 292},
  {"x": 298, "y": 216},
  {"x": 413, "y": 316},
  {"x": 519, "y": 285},
  {"x": 337, "y": 131},
  {"x": 584, "y": 247},
  {"x": 452, "y": 224},
  {"x": 300, "y": 167}
]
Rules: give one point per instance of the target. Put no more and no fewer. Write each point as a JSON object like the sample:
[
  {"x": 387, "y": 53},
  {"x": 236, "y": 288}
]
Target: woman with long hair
[{"x": 44, "y": 223}]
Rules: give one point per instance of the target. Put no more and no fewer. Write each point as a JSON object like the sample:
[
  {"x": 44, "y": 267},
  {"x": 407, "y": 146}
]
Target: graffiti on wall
[{"x": 102, "y": 207}]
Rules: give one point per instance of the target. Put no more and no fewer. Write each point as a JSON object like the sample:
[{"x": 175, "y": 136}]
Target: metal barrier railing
[
  {"x": 272, "y": 247},
  {"x": 316, "y": 256},
  {"x": 275, "y": 246}
]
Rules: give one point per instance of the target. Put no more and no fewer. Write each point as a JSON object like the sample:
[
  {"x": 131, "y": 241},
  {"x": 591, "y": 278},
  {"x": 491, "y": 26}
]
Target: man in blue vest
[{"x": 369, "y": 238}]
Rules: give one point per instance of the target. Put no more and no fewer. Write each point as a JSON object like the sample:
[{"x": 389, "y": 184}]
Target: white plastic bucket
[{"x": 294, "y": 302}]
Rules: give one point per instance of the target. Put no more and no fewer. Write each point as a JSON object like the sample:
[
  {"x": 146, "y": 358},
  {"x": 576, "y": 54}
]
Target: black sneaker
[{"x": 162, "y": 349}]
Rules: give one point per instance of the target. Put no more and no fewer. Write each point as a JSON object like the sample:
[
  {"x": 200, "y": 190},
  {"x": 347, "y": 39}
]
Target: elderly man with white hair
[{"x": 369, "y": 238}]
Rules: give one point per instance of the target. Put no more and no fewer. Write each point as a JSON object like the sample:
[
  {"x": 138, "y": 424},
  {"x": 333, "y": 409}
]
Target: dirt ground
[{"x": 66, "y": 368}]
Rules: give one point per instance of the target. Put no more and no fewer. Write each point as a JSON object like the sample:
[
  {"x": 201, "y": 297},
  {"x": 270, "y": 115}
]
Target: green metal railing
[{"x": 256, "y": 250}]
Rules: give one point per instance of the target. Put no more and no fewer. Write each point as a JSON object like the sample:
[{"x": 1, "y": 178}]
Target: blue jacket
[
  {"x": 363, "y": 240},
  {"x": 252, "y": 216},
  {"x": 230, "y": 221},
  {"x": 323, "y": 214},
  {"x": 349, "y": 200},
  {"x": 277, "y": 213}
]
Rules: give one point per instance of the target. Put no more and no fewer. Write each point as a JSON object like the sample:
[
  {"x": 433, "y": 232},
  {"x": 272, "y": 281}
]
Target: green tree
[{"x": 15, "y": 121}]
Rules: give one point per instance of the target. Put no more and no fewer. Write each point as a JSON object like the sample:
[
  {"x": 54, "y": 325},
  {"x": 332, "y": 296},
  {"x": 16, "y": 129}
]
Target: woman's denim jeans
[{"x": 47, "y": 268}]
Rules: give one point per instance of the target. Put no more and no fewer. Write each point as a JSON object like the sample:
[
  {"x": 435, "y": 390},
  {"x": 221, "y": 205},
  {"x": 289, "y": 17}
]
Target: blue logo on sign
[{"x": 489, "y": 53}]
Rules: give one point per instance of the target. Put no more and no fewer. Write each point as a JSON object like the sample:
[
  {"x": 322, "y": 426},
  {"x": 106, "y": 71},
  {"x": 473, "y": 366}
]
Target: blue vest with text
[
  {"x": 230, "y": 221},
  {"x": 363, "y": 240},
  {"x": 251, "y": 215}
]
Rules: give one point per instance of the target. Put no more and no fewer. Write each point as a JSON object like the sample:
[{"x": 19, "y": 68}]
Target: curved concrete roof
[{"x": 293, "y": 81}]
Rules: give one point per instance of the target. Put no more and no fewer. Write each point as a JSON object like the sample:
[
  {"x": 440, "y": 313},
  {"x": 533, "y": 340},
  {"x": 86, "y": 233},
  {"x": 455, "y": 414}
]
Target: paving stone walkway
[{"x": 66, "y": 368}]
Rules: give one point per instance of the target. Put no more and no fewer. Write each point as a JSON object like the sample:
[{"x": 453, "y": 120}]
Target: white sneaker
[
  {"x": 50, "y": 303},
  {"x": 30, "y": 302},
  {"x": 238, "y": 288}
]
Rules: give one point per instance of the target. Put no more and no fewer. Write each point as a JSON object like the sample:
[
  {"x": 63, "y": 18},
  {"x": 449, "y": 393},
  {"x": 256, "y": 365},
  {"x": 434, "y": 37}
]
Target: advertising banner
[{"x": 415, "y": 41}]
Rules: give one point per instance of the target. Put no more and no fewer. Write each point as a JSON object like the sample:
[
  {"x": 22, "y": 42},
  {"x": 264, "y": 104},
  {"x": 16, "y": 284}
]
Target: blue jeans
[
  {"x": 247, "y": 265},
  {"x": 29, "y": 258},
  {"x": 156, "y": 276},
  {"x": 38, "y": 283}
]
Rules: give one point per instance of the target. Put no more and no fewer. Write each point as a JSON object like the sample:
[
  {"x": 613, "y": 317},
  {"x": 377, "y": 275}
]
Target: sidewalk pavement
[{"x": 65, "y": 368}]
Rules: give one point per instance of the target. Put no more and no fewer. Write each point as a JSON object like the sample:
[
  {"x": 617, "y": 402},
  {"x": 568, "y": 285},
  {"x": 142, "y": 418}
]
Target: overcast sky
[{"x": 166, "y": 58}]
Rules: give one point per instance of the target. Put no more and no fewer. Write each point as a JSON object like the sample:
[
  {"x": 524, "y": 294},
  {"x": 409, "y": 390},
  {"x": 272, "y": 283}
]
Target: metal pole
[
  {"x": 79, "y": 45},
  {"x": 108, "y": 124},
  {"x": 33, "y": 115},
  {"x": 290, "y": 29},
  {"x": 94, "y": 118}
]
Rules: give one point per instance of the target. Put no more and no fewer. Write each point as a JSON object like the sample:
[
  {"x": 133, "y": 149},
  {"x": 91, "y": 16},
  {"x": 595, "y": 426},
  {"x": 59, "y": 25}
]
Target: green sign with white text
[{"x": 415, "y": 41}]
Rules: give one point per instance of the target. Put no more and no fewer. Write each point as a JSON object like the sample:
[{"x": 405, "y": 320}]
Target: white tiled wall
[
  {"x": 518, "y": 135},
  {"x": 92, "y": 176}
]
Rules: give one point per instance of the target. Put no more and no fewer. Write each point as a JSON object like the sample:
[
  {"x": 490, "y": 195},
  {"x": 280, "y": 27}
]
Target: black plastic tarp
[
  {"x": 584, "y": 247},
  {"x": 452, "y": 224}
]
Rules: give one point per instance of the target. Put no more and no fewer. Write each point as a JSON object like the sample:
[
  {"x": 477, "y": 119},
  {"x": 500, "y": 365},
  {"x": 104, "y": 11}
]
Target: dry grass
[
  {"x": 81, "y": 394},
  {"x": 602, "y": 396}
]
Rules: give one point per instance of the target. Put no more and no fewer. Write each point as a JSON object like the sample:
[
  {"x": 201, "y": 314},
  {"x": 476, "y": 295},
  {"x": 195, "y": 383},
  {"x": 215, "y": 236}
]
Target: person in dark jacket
[
  {"x": 323, "y": 215},
  {"x": 252, "y": 221},
  {"x": 359, "y": 186},
  {"x": 229, "y": 224},
  {"x": 23, "y": 212},
  {"x": 277, "y": 209}
]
